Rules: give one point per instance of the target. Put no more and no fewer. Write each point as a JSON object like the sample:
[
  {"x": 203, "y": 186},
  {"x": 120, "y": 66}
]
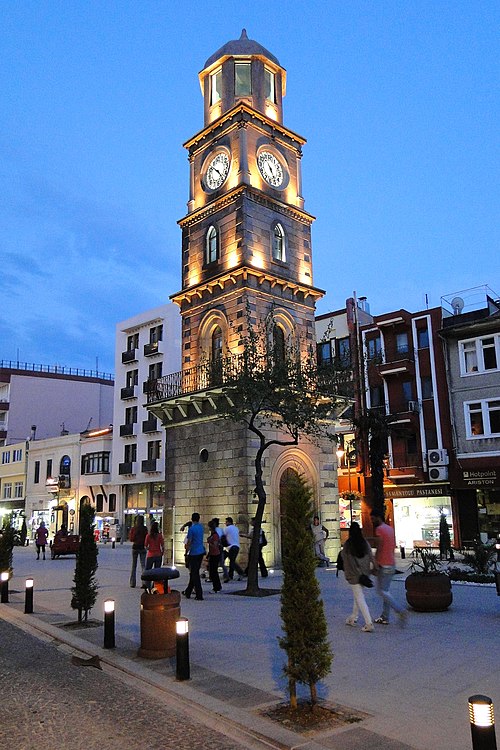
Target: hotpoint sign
[{"x": 480, "y": 478}]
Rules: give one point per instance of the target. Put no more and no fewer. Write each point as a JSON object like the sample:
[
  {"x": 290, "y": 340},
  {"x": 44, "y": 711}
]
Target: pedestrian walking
[
  {"x": 213, "y": 542},
  {"x": 196, "y": 551},
  {"x": 155, "y": 547},
  {"x": 233, "y": 547},
  {"x": 41, "y": 535},
  {"x": 319, "y": 534},
  {"x": 357, "y": 558},
  {"x": 262, "y": 543},
  {"x": 138, "y": 534},
  {"x": 385, "y": 567}
]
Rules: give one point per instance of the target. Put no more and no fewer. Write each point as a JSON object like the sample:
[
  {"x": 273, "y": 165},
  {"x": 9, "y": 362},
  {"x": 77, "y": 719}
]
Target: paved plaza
[{"x": 411, "y": 684}]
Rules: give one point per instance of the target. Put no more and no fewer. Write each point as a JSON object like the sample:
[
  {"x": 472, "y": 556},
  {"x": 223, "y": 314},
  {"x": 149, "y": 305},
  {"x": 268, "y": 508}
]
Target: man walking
[
  {"x": 233, "y": 544},
  {"x": 138, "y": 537},
  {"x": 195, "y": 549},
  {"x": 385, "y": 568}
]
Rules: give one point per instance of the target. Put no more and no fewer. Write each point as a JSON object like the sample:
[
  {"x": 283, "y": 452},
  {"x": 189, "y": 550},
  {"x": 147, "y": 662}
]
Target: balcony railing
[
  {"x": 55, "y": 369},
  {"x": 152, "y": 348},
  {"x": 126, "y": 430},
  {"x": 128, "y": 392},
  {"x": 150, "y": 425},
  {"x": 128, "y": 467},
  {"x": 149, "y": 464},
  {"x": 129, "y": 356}
]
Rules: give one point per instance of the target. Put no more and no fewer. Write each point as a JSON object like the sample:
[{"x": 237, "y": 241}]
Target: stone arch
[
  {"x": 284, "y": 321},
  {"x": 297, "y": 460},
  {"x": 213, "y": 320}
]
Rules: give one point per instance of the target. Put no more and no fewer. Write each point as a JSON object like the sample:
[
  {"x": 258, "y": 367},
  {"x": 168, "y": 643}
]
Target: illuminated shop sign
[
  {"x": 417, "y": 491},
  {"x": 480, "y": 478}
]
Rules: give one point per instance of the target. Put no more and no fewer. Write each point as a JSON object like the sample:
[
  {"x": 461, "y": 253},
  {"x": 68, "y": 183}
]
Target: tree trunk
[
  {"x": 314, "y": 693},
  {"x": 292, "y": 689},
  {"x": 377, "y": 455},
  {"x": 252, "y": 588}
]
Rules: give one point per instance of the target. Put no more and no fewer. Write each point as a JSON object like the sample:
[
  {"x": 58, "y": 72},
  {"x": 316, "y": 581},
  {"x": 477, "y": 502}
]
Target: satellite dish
[{"x": 457, "y": 304}]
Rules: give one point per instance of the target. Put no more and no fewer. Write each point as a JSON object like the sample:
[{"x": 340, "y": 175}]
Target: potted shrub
[{"x": 428, "y": 589}]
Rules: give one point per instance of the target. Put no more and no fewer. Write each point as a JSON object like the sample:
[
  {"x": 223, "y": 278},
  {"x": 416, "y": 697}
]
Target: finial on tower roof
[{"x": 243, "y": 34}]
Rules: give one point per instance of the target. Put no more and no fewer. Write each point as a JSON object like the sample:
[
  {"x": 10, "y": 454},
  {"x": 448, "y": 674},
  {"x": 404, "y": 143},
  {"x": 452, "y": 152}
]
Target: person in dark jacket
[{"x": 357, "y": 558}]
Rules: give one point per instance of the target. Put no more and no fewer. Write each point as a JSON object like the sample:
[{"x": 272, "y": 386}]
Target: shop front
[
  {"x": 417, "y": 512},
  {"x": 478, "y": 496}
]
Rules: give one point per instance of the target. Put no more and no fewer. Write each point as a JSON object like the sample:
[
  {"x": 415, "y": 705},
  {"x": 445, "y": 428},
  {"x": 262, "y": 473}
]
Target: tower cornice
[
  {"x": 253, "y": 194},
  {"x": 243, "y": 114}
]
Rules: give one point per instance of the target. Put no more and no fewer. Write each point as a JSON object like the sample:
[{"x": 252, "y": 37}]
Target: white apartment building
[
  {"x": 12, "y": 483},
  {"x": 147, "y": 347}
]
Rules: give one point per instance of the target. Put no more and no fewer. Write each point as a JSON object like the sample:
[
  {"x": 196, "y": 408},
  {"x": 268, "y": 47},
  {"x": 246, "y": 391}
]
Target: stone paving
[{"x": 413, "y": 684}]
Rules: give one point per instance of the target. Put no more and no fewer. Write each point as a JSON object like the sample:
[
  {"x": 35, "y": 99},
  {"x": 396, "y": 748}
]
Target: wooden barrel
[{"x": 159, "y": 613}]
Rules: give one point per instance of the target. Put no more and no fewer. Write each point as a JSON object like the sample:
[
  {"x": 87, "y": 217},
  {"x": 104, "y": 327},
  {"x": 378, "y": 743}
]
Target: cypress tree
[
  {"x": 302, "y": 612},
  {"x": 84, "y": 592},
  {"x": 6, "y": 548}
]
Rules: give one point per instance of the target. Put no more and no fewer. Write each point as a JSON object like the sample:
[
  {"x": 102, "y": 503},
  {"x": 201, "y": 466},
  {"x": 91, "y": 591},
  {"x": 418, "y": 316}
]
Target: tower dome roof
[{"x": 241, "y": 46}]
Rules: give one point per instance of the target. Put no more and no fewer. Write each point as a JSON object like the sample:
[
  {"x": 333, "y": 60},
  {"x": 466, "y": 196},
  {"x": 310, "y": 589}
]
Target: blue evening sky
[{"x": 399, "y": 102}]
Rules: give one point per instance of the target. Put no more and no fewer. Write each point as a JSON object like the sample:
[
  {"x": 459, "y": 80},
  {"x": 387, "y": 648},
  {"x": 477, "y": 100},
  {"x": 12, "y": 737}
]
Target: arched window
[
  {"x": 278, "y": 344},
  {"x": 279, "y": 243},
  {"x": 216, "y": 356},
  {"x": 211, "y": 245}
]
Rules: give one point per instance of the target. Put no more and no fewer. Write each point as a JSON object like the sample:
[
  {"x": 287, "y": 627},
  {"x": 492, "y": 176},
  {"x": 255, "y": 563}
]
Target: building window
[
  {"x": 65, "y": 466},
  {"x": 95, "y": 463},
  {"x": 112, "y": 502},
  {"x": 423, "y": 338},
  {"x": 154, "y": 372},
  {"x": 131, "y": 415},
  {"x": 377, "y": 397},
  {"x": 406, "y": 387},
  {"x": 18, "y": 489},
  {"x": 48, "y": 474},
  {"x": 242, "y": 79},
  {"x": 17, "y": 455},
  {"x": 217, "y": 344},
  {"x": 324, "y": 350},
  {"x": 278, "y": 344},
  {"x": 479, "y": 355},
  {"x": 7, "y": 490},
  {"x": 130, "y": 454},
  {"x": 36, "y": 475},
  {"x": 279, "y": 243},
  {"x": 155, "y": 334},
  {"x": 402, "y": 343},
  {"x": 482, "y": 418},
  {"x": 344, "y": 351},
  {"x": 427, "y": 388},
  {"x": 132, "y": 378},
  {"x": 211, "y": 246},
  {"x": 154, "y": 449},
  {"x": 132, "y": 342},
  {"x": 6, "y": 457},
  {"x": 99, "y": 503},
  {"x": 215, "y": 86},
  {"x": 374, "y": 347},
  {"x": 270, "y": 85}
]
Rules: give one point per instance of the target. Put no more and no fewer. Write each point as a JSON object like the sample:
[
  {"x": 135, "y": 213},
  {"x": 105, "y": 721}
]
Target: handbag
[{"x": 365, "y": 580}]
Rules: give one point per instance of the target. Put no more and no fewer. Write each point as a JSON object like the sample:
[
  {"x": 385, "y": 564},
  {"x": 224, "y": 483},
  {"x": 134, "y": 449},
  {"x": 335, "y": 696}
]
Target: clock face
[
  {"x": 270, "y": 168},
  {"x": 217, "y": 171}
]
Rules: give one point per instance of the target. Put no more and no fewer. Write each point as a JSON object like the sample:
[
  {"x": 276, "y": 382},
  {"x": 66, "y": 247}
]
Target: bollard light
[
  {"x": 109, "y": 623},
  {"x": 182, "y": 648},
  {"x": 482, "y": 723},
  {"x": 113, "y": 543},
  {"x": 4, "y": 587},
  {"x": 28, "y": 599}
]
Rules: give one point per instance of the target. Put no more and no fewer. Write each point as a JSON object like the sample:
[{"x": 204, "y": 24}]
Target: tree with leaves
[
  {"x": 302, "y": 612},
  {"x": 6, "y": 547},
  {"x": 277, "y": 390},
  {"x": 84, "y": 592}
]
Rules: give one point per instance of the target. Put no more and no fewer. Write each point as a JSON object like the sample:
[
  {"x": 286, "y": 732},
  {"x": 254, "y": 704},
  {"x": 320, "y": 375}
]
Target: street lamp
[{"x": 482, "y": 723}]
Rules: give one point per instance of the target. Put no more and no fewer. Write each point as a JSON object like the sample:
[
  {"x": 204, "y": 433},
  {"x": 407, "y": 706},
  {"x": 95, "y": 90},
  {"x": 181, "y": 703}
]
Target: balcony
[
  {"x": 396, "y": 361},
  {"x": 128, "y": 392},
  {"x": 153, "y": 348},
  {"x": 128, "y": 467},
  {"x": 150, "y": 425},
  {"x": 126, "y": 430},
  {"x": 129, "y": 356},
  {"x": 149, "y": 465},
  {"x": 194, "y": 380}
]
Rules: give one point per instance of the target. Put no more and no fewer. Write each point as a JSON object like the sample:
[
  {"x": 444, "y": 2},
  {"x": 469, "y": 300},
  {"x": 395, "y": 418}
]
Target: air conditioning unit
[
  {"x": 438, "y": 457},
  {"x": 438, "y": 474}
]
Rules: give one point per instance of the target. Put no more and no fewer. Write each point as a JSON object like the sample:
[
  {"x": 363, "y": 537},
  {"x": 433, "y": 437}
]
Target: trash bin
[{"x": 159, "y": 613}]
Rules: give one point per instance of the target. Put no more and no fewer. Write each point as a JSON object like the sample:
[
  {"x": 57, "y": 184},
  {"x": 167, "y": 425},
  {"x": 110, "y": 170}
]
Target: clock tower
[{"x": 246, "y": 246}]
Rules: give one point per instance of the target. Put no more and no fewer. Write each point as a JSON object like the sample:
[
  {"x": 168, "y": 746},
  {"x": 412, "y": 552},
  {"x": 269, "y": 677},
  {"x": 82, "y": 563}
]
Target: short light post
[
  {"x": 4, "y": 587},
  {"x": 109, "y": 623},
  {"x": 113, "y": 543},
  {"x": 28, "y": 598},
  {"x": 482, "y": 723},
  {"x": 182, "y": 648}
]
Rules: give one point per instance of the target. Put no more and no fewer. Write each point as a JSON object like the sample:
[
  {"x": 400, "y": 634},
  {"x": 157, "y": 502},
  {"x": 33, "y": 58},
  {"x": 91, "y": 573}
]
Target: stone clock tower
[{"x": 246, "y": 245}]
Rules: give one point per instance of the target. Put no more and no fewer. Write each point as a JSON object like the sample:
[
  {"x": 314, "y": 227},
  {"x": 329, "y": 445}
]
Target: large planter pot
[{"x": 428, "y": 593}]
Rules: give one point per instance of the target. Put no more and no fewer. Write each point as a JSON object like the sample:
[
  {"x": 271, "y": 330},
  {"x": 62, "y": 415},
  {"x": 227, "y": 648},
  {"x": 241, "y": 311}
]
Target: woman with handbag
[{"x": 358, "y": 558}]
